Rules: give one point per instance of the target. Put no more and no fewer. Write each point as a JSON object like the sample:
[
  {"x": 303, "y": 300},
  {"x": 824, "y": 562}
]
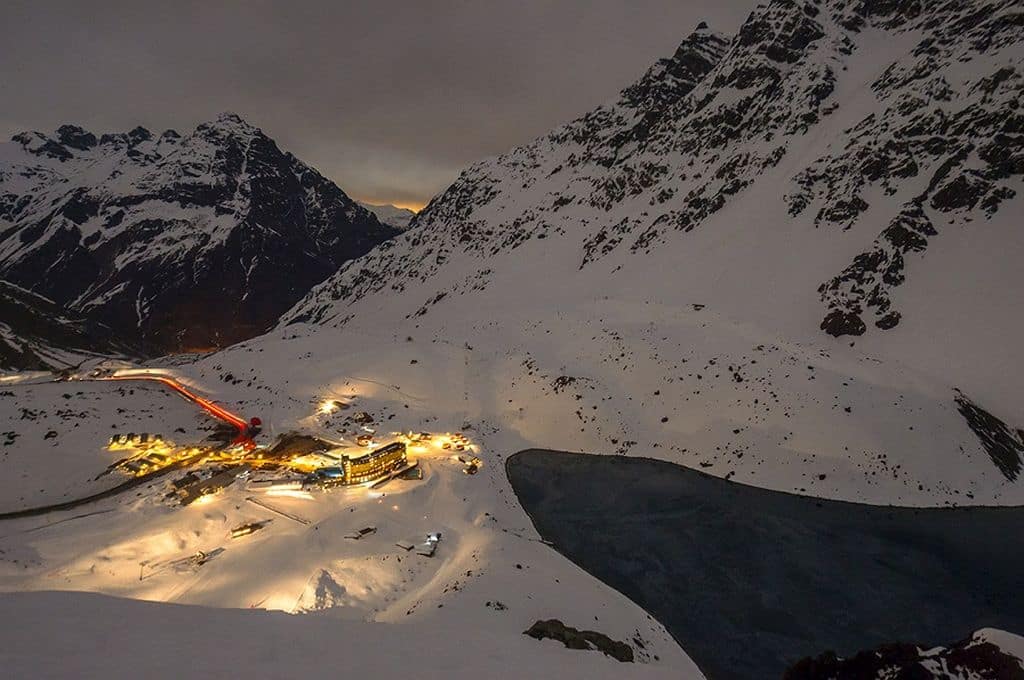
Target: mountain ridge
[{"x": 805, "y": 105}]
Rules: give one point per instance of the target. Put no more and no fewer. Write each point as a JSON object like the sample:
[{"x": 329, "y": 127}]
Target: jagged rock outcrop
[{"x": 1004, "y": 444}]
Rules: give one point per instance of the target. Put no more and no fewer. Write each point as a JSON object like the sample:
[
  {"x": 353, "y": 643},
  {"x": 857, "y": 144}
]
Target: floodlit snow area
[
  {"x": 616, "y": 376},
  {"x": 461, "y": 611},
  {"x": 655, "y": 377},
  {"x": 54, "y": 436}
]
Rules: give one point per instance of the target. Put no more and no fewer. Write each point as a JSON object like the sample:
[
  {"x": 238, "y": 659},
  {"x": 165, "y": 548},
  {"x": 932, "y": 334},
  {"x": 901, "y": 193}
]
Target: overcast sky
[{"x": 388, "y": 99}]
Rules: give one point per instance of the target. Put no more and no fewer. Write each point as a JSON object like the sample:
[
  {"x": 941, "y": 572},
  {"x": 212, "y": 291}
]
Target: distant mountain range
[
  {"x": 172, "y": 242},
  {"x": 391, "y": 215}
]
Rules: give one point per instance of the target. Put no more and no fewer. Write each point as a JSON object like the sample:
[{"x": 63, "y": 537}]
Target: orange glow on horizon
[{"x": 415, "y": 207}]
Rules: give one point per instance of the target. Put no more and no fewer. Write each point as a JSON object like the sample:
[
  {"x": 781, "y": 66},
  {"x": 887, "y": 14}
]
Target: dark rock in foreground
[{"x": 971, "y": 658}]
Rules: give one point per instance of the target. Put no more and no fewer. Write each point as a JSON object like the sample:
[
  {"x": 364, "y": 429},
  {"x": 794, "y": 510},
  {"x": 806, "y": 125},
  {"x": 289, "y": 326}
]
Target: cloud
[{"x": 389, "y": 99}]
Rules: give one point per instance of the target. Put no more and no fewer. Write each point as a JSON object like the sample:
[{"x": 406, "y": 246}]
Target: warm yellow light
[
  {"x": 290, "y": 493},
  {"x": 328, "y": 407},
  {"x": 407, "y": 205}
]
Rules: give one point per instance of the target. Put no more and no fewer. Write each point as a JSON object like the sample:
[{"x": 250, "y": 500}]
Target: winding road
[
  {"x": 218, "y": 412},
  {"x": 211, "y": 408}
]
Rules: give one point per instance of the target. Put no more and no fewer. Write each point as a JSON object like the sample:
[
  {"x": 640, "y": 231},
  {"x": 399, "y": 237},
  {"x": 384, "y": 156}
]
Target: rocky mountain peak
[
  {"x": 672, "y": 78},
  {"x": 139, "y": 134},
  {"x": 177, "y": 242},
  {"x": 228, "y": 123}
]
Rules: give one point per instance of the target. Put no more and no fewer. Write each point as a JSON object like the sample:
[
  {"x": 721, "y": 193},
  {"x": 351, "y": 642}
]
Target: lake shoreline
[{"x": 749, "y": 580}]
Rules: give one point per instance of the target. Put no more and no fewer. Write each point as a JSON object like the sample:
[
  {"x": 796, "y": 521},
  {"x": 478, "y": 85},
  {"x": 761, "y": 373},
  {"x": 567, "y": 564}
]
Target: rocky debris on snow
[{"x": 553, "y": 629}]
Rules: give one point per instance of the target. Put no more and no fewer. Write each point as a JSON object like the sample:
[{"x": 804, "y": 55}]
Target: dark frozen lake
[{"x": 749, "y": 581}]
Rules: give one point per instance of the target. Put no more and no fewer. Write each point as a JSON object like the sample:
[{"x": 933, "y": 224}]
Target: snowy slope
[
  {"x": 219, "y": 643},
  {"x": 391, "y": 215},
  {"x": 179, "y": 242},
  {"x": 687, "y": 252},
  {"x": 460, "y": 613},
  {"x": 792, "y": 175}
]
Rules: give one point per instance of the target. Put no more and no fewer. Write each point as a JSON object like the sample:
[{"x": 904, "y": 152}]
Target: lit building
[{"x": 364, "y": 468}]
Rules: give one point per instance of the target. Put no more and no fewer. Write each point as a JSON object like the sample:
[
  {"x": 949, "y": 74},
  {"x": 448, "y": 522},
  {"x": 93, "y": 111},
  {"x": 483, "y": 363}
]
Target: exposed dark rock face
[
  {"x": 966, "y": 140},
  {"x": 866, "y": 284},
  {"x": 75, "y": 137},
  {"x": 971, "y": 658},
  {"x": 176, "y": 242},
  {"x": 553, "y": 629},
  {"x": 1004, "y": 444},
  {"x": 843, "y": 323}
]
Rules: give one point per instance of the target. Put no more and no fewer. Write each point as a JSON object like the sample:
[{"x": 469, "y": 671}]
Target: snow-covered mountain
[
  {"x": 179, "y": 242},
  {"x": 686, "y": 254},
  {"x": 887, "y": 128},
  {"x": 391, "y": 215},
  {"x": 665, "y": 276}
]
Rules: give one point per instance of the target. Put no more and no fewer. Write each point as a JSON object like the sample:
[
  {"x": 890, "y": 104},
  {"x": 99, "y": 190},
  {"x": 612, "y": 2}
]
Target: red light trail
[{"x": 213, "y": 409}]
